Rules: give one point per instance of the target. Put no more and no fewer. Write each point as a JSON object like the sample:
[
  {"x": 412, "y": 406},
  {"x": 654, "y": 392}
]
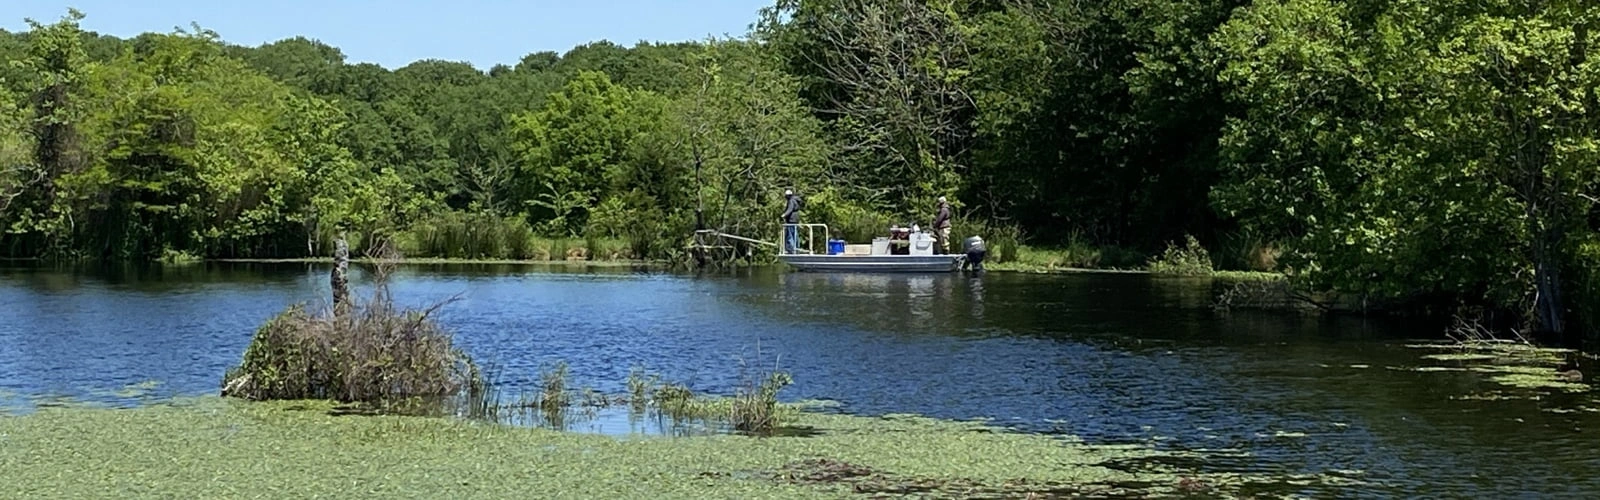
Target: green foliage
[
  {"x": 578, "y": 140},
  {"x": 893, "y": 78},
  {"x": 1003, "y": 242},
  {"x": 1247, "y": 250},
  {"x": 1420, "y": 149},
  {"x": 52, "y": 70},
  {"x": 17, "y": 170},
  {"x": 1191, "y": 259},
  {"x": 1586, "y": 285}
]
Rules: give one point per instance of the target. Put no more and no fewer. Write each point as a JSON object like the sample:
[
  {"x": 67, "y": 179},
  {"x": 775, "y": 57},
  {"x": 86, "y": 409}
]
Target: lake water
[{"x": 1110, "y": 358}]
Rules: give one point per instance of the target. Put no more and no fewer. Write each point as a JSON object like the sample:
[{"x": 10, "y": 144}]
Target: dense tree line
[{"x": 1415, "y": 154}]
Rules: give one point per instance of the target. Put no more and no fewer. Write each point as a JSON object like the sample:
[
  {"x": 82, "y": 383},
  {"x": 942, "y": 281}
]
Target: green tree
[
  {"x": 579, "y": 139},
  {"x": 185, "y": 158},
  {"x": 301, "y": 63},
  {"x": 892, "y": 77},
  {"x": 52, "y": 71},
  {"x": 17, "y": 171},
  {"x": 748, "y": 135},
  {"x": 1418, "y": 150}
]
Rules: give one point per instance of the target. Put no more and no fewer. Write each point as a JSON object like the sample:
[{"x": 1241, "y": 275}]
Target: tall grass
[
  {"x": 753, "y": 408},
  {"x": 459, "y": 235},
  {"x": 1079, "y": 253}
]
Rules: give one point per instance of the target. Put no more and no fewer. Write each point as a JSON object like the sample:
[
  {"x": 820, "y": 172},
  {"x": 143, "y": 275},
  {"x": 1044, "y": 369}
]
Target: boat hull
[{"x": 874, "y": 263}]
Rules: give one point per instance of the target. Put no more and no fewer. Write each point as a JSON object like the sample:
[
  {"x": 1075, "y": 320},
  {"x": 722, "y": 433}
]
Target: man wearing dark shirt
[{"x": 791, "y": 216}]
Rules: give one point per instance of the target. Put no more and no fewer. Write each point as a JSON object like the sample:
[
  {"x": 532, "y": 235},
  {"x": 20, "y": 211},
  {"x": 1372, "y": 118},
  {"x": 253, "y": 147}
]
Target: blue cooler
[{"x": 835, "y": 247}]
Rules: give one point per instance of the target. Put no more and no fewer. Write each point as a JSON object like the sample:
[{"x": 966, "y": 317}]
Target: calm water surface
[{"x": 1111, "y": 358}]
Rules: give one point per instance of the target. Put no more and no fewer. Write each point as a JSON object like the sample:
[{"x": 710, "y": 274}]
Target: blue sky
[{"x": 394, "y": 33}]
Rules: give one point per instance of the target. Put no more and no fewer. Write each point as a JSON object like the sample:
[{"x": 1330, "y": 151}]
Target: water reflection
[{"x": 621, "y": 420}]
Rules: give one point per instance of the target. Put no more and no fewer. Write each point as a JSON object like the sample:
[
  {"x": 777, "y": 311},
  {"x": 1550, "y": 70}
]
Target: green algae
[
  {"x": 1460, "y": 356},
  {"x": 1538, "y": 381},
  {"x": 1488, "y": 396},
  {"x": 211, "y": 448},
  {"x": 1439, "y": 369},
  {"x": 139, "y": 390},
  {"x": 1512, "y": 364}
]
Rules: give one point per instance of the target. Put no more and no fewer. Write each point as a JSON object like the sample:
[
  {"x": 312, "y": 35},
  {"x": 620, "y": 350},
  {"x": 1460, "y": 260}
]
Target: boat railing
[{"x": 809, "y": 239}]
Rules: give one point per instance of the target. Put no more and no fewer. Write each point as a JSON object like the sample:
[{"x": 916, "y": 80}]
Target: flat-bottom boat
[
  {"x": 918, "y": 256},
  {"x": 874, "y": 263}
]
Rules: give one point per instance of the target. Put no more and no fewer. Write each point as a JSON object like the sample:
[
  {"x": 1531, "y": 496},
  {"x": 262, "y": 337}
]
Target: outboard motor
[{"x": 975, "y": 252}]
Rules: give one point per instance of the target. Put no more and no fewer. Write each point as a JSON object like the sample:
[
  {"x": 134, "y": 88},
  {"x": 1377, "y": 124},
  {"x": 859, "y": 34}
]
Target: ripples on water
[{"x": 1109, "y": 358}]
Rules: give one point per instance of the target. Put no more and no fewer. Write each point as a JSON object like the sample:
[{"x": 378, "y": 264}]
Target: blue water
[{"x": 1110, "y": 358}]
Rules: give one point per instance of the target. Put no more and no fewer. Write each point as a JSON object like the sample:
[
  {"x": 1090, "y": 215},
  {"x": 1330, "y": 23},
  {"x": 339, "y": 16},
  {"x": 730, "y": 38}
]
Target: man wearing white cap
[
  {"x": 791, "y": 216},
  {"x": 941, "y": 226}
]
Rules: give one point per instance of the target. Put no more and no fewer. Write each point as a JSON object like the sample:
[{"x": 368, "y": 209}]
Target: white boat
[{"x": 874, "y": 258}]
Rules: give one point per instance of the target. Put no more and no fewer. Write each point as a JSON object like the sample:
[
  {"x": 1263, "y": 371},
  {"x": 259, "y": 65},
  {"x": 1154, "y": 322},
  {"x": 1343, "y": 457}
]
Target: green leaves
[
  {"x": 579, "y": 139},
  {"x": 1427, "y": 140},
  {"x": 174, "y": 147}
]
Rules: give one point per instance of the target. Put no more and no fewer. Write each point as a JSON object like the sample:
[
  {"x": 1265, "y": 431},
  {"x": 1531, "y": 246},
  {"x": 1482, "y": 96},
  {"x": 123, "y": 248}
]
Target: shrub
[
  {"x": 755, "y": 408},
  {"x": 553, "y": 394},
  {"x": 371, "y": 353},
  {"x": 1189, "y": 260}
]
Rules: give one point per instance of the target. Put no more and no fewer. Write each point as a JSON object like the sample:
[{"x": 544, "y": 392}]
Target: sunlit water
[{"x": 1110, "y": 358}]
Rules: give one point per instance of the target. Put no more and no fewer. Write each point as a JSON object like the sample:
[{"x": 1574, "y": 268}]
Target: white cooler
[
  {"x": 921, "y": 244},
  {"x": 880, "y": 246}
]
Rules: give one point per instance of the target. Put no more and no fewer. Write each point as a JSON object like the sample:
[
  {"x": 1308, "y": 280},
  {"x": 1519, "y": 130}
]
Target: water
[{"x": 1111, "y": 358}]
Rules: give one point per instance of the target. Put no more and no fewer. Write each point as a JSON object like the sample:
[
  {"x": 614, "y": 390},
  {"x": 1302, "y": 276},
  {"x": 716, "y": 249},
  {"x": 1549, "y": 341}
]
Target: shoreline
[{"x": 1005, "y": 267}]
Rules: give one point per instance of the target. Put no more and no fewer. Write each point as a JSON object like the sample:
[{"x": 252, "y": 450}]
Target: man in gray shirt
[{"x": 941, "y": 226}]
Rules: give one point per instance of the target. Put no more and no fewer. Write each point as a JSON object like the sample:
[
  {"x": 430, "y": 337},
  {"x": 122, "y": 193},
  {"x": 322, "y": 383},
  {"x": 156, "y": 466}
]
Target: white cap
[
  {"x": 788, "y": 192},
  {"x": 941, "y": 199}
]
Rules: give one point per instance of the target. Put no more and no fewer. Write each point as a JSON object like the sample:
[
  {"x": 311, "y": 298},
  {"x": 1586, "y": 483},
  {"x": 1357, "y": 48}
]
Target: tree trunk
[
  {"x": 340, "y": 280},
  {"x": 1547, "y": 282}
]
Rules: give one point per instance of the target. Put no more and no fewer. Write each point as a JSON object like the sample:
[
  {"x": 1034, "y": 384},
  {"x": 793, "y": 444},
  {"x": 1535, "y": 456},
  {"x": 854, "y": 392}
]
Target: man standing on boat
[
  {"x": 941, "y": 226},
  {"x": 791, "y": 216}
]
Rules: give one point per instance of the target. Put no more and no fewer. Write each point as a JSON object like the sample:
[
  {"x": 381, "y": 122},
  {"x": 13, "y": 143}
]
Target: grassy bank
[
  {"x": 1082, "y": 258},
  {"x": 210, "y": 447}
]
